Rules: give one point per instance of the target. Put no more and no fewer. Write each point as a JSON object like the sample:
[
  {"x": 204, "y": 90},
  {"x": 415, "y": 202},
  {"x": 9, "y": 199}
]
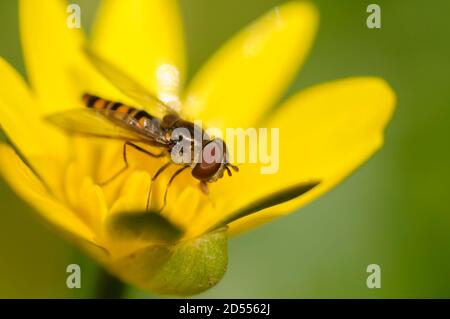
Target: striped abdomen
[{"x": 119, "y": 111}]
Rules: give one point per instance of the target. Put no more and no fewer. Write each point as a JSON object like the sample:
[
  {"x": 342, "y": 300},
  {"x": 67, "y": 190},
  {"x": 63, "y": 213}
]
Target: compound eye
[{"x": 212, "y": 158}]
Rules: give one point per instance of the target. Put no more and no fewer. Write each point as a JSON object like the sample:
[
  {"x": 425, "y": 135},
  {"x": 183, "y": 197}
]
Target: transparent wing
[
  {"x": 129, "y": 87},
  {"x": 98, "y": 123}
]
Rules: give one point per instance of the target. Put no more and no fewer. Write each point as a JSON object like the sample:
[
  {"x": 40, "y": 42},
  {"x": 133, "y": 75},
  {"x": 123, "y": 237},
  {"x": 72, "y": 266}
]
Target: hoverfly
[{"x": 108, "y": 119}]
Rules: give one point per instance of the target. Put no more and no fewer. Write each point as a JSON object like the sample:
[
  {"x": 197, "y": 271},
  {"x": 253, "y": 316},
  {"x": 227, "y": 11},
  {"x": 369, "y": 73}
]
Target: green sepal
[{"x": 184, "y": 268}]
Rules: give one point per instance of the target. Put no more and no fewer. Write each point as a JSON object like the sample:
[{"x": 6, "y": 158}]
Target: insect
[{"x": 155, "y": 128}]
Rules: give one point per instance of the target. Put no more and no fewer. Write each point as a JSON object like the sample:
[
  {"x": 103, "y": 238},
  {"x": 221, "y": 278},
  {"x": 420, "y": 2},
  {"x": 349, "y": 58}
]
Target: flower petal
[
  {"x": 326, "y": 132},
  {"x": 20, "y": 119},
  {"x": 30, "y": 188},
  {"x": 56, "y": 66},
  {"x": 251, "y": 72},
  {"x": 145, "y": 39},
  {"x": 21, "y": 122}
]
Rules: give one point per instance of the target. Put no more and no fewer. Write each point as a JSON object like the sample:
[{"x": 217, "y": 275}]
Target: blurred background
[{"x": 394, "y": 211}]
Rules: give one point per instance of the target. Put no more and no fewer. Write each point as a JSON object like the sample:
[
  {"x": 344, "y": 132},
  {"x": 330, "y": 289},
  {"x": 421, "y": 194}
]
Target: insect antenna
[
  {"x": 235, "y": 168},
  {"x": 228, "y": 171}
]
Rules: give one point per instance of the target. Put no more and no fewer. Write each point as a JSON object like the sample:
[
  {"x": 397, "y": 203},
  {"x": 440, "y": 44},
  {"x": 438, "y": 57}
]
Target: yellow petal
[
  {"x": 144, "y": 38},
  {"x": 133, "y": 197},
  {"x": 326, "y": 132},
  {"x": 92, "y": 206},
  {"x": 20, "y": 119},
  {"x": 56, "y": 66},
  {"x": 29, "y": 188},
  {"x": 251, "y": 72}
]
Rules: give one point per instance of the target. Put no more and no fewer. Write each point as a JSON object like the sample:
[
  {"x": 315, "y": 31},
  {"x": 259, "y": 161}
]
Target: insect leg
[
  {"x": 124, "y": 154},
  {"x": 178, "y": 172},
  {"x": 143, "y": 150},
  {"x": 154, "y": 177}
]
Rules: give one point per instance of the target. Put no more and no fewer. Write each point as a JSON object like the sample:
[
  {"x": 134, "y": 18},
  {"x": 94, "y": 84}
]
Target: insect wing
[
  {"x": 95, "y": 123},
  {"x": 129, "y": 87}
]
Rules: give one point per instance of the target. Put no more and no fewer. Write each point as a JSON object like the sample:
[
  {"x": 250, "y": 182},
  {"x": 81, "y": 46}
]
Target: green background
[{"x": 394, "y": 211}]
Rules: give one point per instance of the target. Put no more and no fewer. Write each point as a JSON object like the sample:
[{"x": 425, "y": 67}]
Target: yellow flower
[{"x": 326, "y": 132}]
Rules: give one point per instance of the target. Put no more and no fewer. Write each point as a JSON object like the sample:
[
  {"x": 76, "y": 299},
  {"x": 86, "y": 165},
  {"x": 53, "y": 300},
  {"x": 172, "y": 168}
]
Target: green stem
[{"x": 108, "y": 286}]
